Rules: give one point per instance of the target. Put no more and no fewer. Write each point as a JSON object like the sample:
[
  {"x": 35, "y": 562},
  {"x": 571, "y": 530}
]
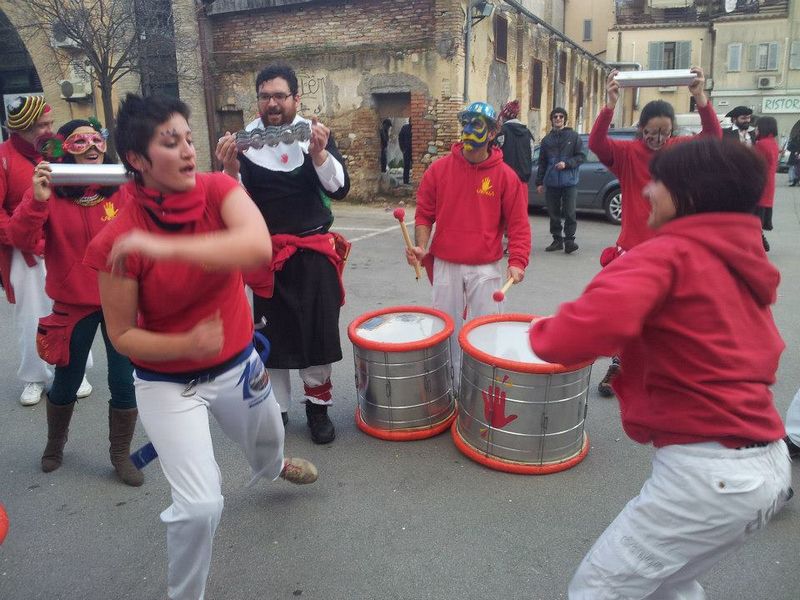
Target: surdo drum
[
  {"x": 518, "y": 413},
  {"x": 404, "y": 376}
]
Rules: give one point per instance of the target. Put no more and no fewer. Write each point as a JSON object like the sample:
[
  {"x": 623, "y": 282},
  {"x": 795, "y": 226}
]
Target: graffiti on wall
[{"x": 312, "y": 93}]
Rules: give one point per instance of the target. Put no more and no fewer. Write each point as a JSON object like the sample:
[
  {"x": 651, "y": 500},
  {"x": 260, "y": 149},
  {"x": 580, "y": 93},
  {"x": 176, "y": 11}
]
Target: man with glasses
[
  {"x": 560, "y": 155},
  {"x": 472, "y": 196},
  {"x": 299, "y": 295}
]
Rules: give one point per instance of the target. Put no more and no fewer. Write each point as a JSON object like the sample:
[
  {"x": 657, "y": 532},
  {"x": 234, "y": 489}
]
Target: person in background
[
  {"x": 688, "y": 304},
  {"x": 404, "y": 140},
  {"x": 767, "y": 146},
  {"x": 793, "y": 146},
  {"x": 386, "y": 127},
  {"x": 515, "y": 140},
  {"x": 741, "y": 117}
]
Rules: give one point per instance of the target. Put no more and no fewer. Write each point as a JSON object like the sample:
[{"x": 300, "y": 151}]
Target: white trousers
[
  {"x": 175, "y": 417},
  {"x": 31, "y": 304},
  {"x": 464, "y": 292},
  {"x": 701, "y": 501},
  {"x": 313, "y": 376},
  {"x": 793, "y": 420}
]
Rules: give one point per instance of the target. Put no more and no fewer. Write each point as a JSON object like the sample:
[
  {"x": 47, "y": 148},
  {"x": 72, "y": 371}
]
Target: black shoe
[
  {"x": 285, "y": 418},
  {"x": 556, "y": 245},
  {"x": 766, "y": 243},
  {"x": 604, "y": 387},
  {"x": 570, "y": 246},
  {"x": 322, "y": 431},
  {"x": 794, "y": 449}
]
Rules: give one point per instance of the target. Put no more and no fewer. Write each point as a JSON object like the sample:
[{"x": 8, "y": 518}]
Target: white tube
[{"x": 73, "y": 174}]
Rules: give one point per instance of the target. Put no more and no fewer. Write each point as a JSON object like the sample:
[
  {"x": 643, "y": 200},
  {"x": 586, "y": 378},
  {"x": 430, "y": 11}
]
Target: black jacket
[
  {"x": 734, "y": 135},
  {"x": 560, "y": 145},
  {"x": 515, "y": 142}
]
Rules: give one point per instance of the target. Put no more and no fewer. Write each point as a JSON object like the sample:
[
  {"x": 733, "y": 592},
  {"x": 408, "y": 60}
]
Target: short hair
[
  {"x": 558, "y": 111},
  {"x": 707, "y": 174},
  {"x": 656, "y": 108},
  {"x": 767, "y": 126},
  {"x": 280, "y": 70},
  {"x": 137, "y": 119}
]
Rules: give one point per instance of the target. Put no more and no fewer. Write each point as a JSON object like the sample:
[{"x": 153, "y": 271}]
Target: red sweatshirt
[
  {"x": 629, "y": 160},
  {"x": 768, "y": 148},
  {"x": 68, "y": 229},
  {"x": 689, "y": 313},
  {"x": 472, "y": 204}
]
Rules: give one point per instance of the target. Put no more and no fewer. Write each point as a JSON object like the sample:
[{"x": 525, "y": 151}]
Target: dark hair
[
  {"x": 137, "y": 119},
  {"x": 706, "y": 174},
  {"x": 71, "y": 191},
  {"x": 656, "y": 108},
  {"x": 273, "y": 71},
  {"x": 558, "y": 111},
  {"x": 767, "y": 126},
  {"x": 386, "y": 123}
]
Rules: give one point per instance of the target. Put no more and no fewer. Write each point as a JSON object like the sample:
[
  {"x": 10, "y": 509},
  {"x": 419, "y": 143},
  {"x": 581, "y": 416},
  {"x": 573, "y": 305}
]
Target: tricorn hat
[{"x": 739, "y": 111}]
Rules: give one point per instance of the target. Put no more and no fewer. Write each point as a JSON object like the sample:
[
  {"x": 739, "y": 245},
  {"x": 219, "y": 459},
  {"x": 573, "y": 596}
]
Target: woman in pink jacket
[{"x": 767, "y": 146}]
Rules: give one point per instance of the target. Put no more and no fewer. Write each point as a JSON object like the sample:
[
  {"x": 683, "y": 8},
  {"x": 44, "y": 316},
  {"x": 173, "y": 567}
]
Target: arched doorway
[{"x": 17, "y": 72}]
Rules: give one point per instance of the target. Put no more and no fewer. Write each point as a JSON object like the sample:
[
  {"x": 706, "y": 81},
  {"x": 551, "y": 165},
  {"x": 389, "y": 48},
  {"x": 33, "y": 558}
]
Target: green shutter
[
  {"x": 772, "y": 57},
  {"x": 683, "y": 52},
  {"x": 752, "y": 53},
  {"x": 794, "y": 57},
  {"x": 655, "y": 55}
]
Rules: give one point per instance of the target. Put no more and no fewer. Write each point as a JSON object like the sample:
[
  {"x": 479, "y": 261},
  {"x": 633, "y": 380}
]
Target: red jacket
[
  {"x": 768, "y": 148},
  {"x": 629, "y": 160},
  {"x": 472, "y": 204},
  {"x": 16, "y": 173},
  {"x": 689, "y": 313},
  {"x": 68, "y": 228}
]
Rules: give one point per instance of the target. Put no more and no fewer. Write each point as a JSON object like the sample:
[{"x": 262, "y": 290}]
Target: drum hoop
[
  {"x": 429, "y": 342},
  {"x": 506, "y": 364}
]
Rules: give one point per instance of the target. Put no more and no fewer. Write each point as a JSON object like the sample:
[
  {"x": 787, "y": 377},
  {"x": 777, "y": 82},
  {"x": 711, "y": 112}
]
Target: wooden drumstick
[
  {"x": 400, "y": 215},
  {"x": 500, "y": 294}
]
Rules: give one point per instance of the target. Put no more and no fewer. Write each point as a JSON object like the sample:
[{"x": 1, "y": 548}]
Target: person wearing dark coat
[
  {"x": 404, "y": 139},
  {"x": 741, "y": 117},
  {"x": 386, "y": 125},
  {"x": 515, "y": 141}
]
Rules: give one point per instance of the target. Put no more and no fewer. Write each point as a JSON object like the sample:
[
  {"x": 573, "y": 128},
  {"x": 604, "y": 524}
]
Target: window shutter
[
  {"x": 683, "y": 51},
  {"x": 772, "y": 57},
  {"x": 794, "y": 57},
  {"x": 734, "y": 57},
  {"x": 752, "y": 53},
  {"x": 655, "y": 55},
  {"x": 587, "y": 30}
]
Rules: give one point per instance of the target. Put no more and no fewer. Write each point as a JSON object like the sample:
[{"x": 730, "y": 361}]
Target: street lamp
[{"x": 477, "y": 11}]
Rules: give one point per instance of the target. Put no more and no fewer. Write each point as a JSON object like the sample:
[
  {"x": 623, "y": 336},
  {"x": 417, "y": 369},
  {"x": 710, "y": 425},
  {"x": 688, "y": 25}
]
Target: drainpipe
[
  {"x": 209, "y": 90},
  {"x": 467, "y": 50}
]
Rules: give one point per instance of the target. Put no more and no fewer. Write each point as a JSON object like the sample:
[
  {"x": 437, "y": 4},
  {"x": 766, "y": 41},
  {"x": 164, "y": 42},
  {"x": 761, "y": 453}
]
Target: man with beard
[
  {"x": 472, "y": 196},
  {"x": 300, "y": 293},
  {"x": 740, "y": 117}
]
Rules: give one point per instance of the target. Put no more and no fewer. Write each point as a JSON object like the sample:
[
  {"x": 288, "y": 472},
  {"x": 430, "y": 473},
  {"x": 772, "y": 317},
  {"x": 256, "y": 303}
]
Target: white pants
[
  {"x": 313, "y": 376},
  {"x": 701, "y": 501},
  {"x": 31, "y": 304},
  {"x": 793, "y": 420},
  {"x": 175, "y": 418},
  {"x": 464, "y": 292}
]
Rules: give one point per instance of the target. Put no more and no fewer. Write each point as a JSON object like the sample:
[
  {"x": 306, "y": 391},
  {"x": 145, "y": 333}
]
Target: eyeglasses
[
  {"x": 278, "y": 97},
  {"x": 554, "y": 117},
  {"x": 78, "y": 143}
]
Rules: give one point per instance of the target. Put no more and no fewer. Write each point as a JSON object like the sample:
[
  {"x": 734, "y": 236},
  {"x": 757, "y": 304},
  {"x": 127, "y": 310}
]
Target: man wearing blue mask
[{"x": 472, "y": 196}]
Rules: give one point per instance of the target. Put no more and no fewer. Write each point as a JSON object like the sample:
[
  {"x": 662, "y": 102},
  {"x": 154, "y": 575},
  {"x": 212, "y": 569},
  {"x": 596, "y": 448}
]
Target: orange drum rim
[
  {"x": 404, "y": 435},
  {"x": 506, "y": 364},
  {"x": 517, "y": 468},
  {"x": 429, "y": 342}
]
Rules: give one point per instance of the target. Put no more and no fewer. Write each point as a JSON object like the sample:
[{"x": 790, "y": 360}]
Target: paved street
[{"x": 409, "y": 521}]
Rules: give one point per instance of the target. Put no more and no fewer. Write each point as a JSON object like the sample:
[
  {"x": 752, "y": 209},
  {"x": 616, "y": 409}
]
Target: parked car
[{"x": 598, "y": 188}]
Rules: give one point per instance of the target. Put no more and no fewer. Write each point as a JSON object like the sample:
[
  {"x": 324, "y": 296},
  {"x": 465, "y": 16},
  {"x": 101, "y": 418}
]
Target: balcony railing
[{"x": 642, "y": 12}]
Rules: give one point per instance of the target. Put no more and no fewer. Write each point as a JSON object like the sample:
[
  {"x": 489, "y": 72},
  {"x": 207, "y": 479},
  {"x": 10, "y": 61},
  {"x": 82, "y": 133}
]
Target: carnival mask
[
  {"x": 79, "y": 143},
  {"x": 474, "y": 131}
]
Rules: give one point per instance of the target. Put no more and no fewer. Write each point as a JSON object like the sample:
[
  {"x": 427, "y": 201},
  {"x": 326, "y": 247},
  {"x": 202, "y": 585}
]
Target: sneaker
[
  {"x": 86, "y": 388},
  {"x": 32, "y": 393},
  {"x": 570, "y": 246},
  {"x": 794, "y": 449},
  {"x": 556, "y": 245},
  {"x": 299, "y": 471},
  {"x": 604, "y": 387}
]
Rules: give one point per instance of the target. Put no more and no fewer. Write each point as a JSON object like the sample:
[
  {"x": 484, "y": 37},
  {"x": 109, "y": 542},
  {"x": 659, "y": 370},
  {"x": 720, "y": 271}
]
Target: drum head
[
  {"x": 400, "y": 327},
  {"x": 506, "y": 340}
]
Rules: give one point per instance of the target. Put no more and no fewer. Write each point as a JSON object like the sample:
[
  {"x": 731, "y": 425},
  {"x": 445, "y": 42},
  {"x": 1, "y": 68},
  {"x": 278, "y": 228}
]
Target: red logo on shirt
[{"x": 284, "y": 158}]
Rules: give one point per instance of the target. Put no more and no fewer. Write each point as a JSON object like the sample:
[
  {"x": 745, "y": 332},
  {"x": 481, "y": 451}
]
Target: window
[
  {"x": 500, "y": 38},
  {"x": 794, "y": 56},
  {"x": 562, "y": 66},
  {"x": 669, "y": 55},
  {"x": 763, "y": 57},
  {"x": 734, "y": 57},
  {"x": 536, "y": 84},
  {"x": 587, "y": 30}
]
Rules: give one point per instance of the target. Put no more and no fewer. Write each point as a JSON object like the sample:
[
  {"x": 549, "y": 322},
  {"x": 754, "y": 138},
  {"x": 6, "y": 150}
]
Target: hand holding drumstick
[
  {"x": 515, "y": 275},
  {"x": 400, "y": 215}
]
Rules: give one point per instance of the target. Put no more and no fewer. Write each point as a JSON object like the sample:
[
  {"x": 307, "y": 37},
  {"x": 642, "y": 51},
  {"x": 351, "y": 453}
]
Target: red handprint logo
[{"x": 494, "y": 406}]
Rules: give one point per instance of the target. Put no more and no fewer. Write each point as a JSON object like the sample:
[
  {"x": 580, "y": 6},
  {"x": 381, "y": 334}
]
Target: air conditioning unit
[
  {"x": 60, "y": 39},
  {"x": 77, "y": 86},
  {"x": 767, "y": 82}
]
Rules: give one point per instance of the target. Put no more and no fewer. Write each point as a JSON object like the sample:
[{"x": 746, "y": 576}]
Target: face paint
[{"x": 475, "y": 132}]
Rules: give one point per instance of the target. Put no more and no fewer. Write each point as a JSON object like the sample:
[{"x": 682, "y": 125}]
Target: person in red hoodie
[
  {"x": 687, "y": 305},
  {"x": 767, "y": 146},
  {"x": 70, "y": 218},
  {"x": 628, "y": 160},
  {"x": 472, "y": 196}
]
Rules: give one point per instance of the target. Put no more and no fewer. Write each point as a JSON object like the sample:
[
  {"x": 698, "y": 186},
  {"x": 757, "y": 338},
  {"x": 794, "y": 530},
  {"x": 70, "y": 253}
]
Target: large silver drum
[
  {"x": 404, "y": 376},
  {"x": 518, "y": 413}
]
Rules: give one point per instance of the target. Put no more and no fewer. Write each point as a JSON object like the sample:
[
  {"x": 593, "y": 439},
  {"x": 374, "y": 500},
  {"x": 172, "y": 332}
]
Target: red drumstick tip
[
  {"x": 498, "y": 296},
  {"x": 399, "y": 214}
]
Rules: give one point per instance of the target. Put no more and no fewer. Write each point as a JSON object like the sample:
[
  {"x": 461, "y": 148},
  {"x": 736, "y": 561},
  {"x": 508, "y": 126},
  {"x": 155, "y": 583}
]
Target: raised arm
[{"x": 599, "y": 142}]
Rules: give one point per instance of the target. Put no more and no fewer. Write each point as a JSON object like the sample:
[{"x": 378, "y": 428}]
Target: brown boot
[
  {"x": 58, "y": 418},
  {"x": 604, "y": 387},
  {"x": 121, "y": 423}
]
